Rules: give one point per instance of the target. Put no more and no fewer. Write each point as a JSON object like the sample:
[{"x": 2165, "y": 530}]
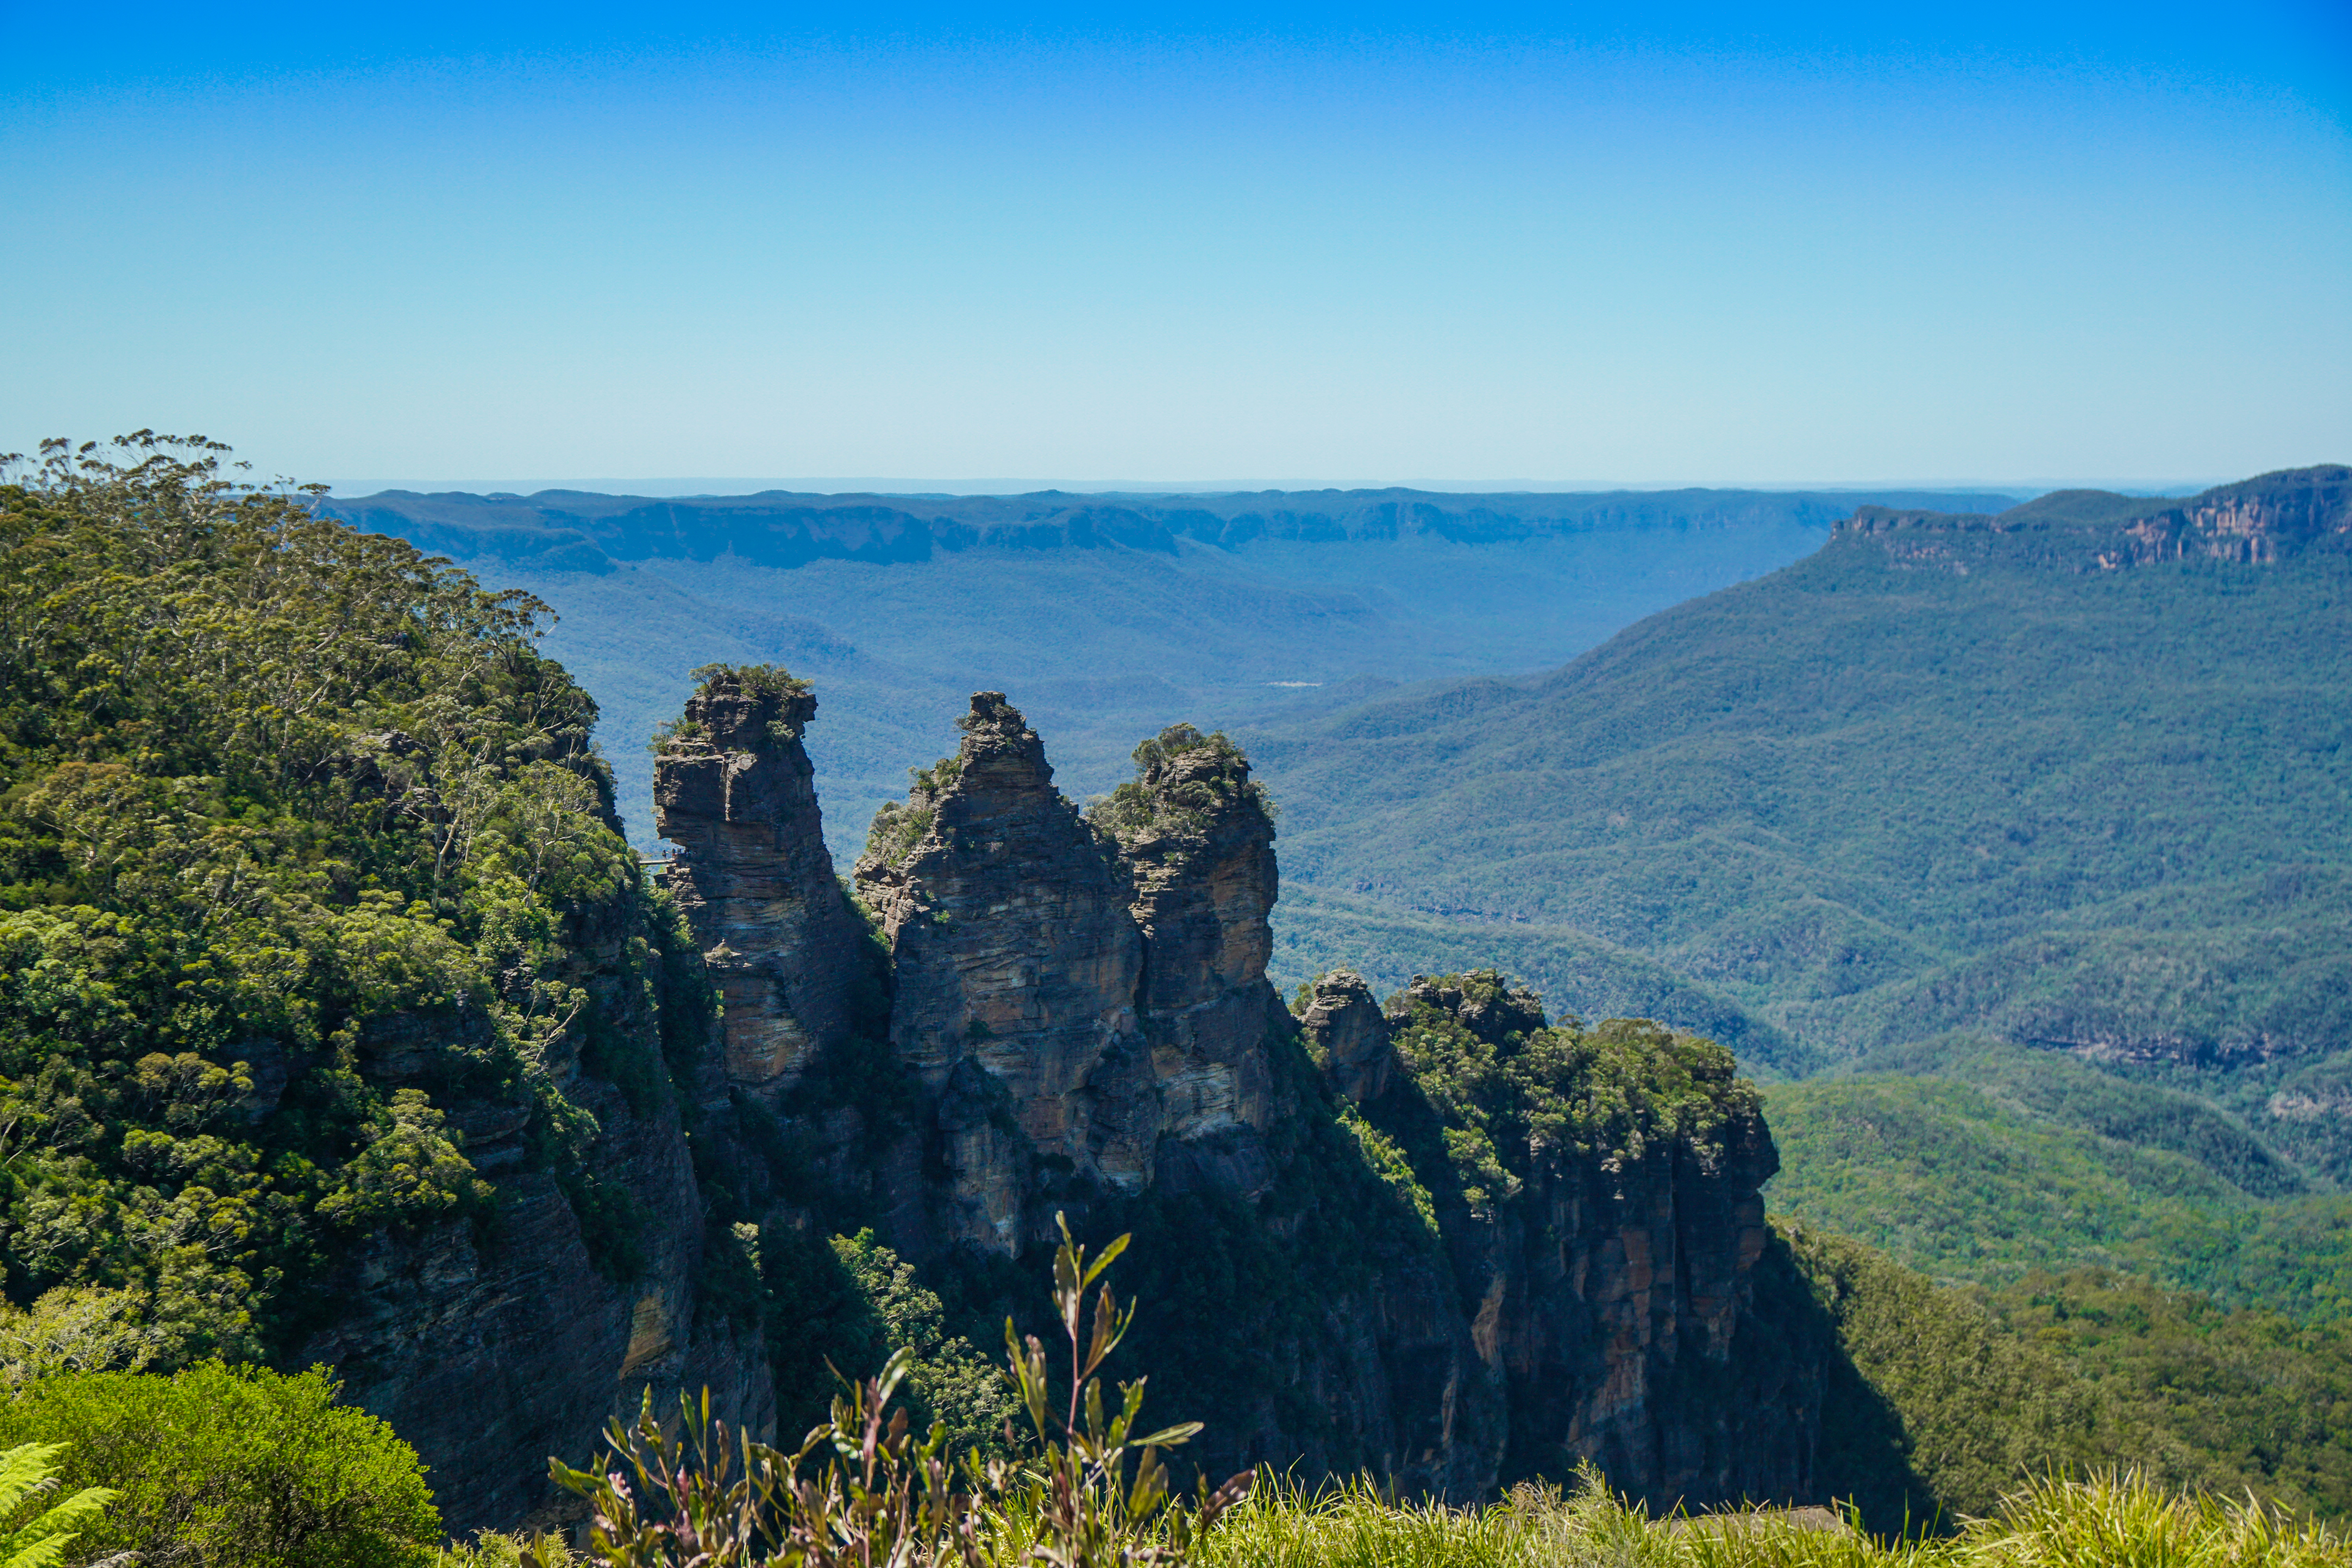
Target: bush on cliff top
[
  {"x": 1505, "y": 1093},
  {"x": 1164, "y": 798}
]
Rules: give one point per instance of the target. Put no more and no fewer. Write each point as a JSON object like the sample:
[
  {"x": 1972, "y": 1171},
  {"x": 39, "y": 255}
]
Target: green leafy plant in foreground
[
  {"x": 863, "y": 1489},
  {"x": 38, "y": 1539},
  {"x": 2108, "y": 1521},
  {"x": 228, "y": 1466}
]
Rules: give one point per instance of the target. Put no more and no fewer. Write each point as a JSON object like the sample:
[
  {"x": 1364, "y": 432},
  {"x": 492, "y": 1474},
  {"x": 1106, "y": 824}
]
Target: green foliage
[
  {"x": 848, "y": 1302},
  {"x": 32, "y": 1536},
  {"x": 301, "y": 840},
  {"x": 864, "y": 1491},
  {"x": 1867, "y": 801},
  {"x": 498, "y": 1549},
  {"x": 2141, "y": 1239},
  {"x": 1180, "y": 776},
  {"x": 407, "y": 1172},
  {"x": 1940, "y": 1400},
  {"x": 2223, "y": 1399},
  {"x": 949, "y": 1381},
  {"x": 2110, "y": 1519},
  {"x": 899, "y": 827},
  {"x": 1975, "y": 1410},
  {"x": 1511, "y": 1094},
  {"x": 752, "y": 680},
  {"x": 233, "y": 1468},
  {"x": 1387, "y": 1159},
  {"x": 1975, "y": 1183}
]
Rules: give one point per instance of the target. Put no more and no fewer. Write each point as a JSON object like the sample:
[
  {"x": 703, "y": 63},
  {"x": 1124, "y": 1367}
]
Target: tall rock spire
[
  {"x": 732, "y": 790},
  {"x": 1198, "y": 839},
  {"x": 1016, "y": 965}
]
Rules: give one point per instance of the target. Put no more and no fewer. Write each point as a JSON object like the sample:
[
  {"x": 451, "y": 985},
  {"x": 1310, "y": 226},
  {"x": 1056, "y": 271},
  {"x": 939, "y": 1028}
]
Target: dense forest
[{"x": 266, "y": 782}]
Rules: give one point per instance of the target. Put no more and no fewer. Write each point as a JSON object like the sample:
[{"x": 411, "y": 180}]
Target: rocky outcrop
[
  {"x": 1083, "y": 1001},
  {"x": 1015, "y": 964},
  {"x": 1349, "y": 1036},
  {"x": 733, "y": 791},
  {"x": 1077, "y": 1021},
  {"x": 2257, "y": 521},
  {"x": 1199, "y": 845},
  {"x": 1609, "y": 1271}
]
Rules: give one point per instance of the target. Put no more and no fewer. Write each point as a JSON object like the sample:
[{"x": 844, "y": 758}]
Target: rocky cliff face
[
  {"x": 490, "y": 1348},
  {"x": 1442, "y": 1244},
  {"x": 1198, "y": 846},
  {"x": 2256, "y": 522},
  {"x": 1015, "y": 967},
  {"x": 733, "y": 791},
  {"x": 1084, "y": 1004},
  {"x": 1606, "y": 1255},
  {"x": 1349, "y": 1037}
]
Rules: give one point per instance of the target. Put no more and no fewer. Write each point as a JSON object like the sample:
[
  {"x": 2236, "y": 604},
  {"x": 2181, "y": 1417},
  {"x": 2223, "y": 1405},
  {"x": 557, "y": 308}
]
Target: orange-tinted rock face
[{"x": 2257, "y": 521}]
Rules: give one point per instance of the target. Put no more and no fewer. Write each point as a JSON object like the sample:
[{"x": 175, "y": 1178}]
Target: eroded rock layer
[{"x": 1014, "y": 966}]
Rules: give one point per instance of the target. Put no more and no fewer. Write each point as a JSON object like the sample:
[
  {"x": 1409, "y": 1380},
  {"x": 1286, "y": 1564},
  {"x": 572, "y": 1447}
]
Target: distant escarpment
[
  {"x": 1445, "y": 1243},
  {"x": 577, "y": 531},
  {"x": 2255, "y": 521}
]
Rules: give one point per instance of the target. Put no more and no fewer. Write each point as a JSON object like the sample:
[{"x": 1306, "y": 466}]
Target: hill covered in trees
[{"x": 2074, "y": 775}]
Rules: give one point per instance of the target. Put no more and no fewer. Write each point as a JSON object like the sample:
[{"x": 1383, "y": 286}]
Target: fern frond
[{"x": 26, "y": 1471}]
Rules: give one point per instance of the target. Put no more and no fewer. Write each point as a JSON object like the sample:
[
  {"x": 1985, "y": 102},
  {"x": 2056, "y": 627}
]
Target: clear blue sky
[{"x": 408, "y": 243}]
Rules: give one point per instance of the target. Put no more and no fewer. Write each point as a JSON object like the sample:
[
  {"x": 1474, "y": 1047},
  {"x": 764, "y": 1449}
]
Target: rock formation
[
  {"x": 1608, "y": 1296},
  {"x": 1349, "y": 1037},
  {"x": 733, "y": 791},
  {"x": 1015, "y": 967},
  {"x": 2257, "y": 522},
  {"x": 1084, "y": 1002},
  {"x": 1078, "y": 1022},
  {"x": 1199, "y": 844}
]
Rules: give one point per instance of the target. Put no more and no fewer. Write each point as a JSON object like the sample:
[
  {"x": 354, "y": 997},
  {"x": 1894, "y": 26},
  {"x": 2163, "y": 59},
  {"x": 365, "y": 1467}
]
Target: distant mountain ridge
[
  {"x": 577, "y": 531},
  {"x": 1107, "y": 616},
  {"x": 2262, "y": 519}
]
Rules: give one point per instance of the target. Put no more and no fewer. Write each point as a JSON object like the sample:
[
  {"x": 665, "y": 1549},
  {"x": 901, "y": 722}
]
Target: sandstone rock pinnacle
[{"x": 733, "y": 791}]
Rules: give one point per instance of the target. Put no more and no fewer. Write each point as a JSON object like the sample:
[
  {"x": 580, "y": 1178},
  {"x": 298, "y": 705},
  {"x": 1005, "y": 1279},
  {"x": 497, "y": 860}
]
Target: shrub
[
  {"x": 863, "y": 1489},
  {"x": 232, "y": 1467},
  {"x": 2110, "y": 1519}
]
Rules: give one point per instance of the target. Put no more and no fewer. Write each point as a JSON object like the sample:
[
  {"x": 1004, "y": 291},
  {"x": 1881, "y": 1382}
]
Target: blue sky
[{"x": 1581, "y": 244}]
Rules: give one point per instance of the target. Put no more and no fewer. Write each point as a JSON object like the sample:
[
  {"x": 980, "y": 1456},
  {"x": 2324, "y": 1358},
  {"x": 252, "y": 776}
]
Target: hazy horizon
[{"x": 682, "y": 489}]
